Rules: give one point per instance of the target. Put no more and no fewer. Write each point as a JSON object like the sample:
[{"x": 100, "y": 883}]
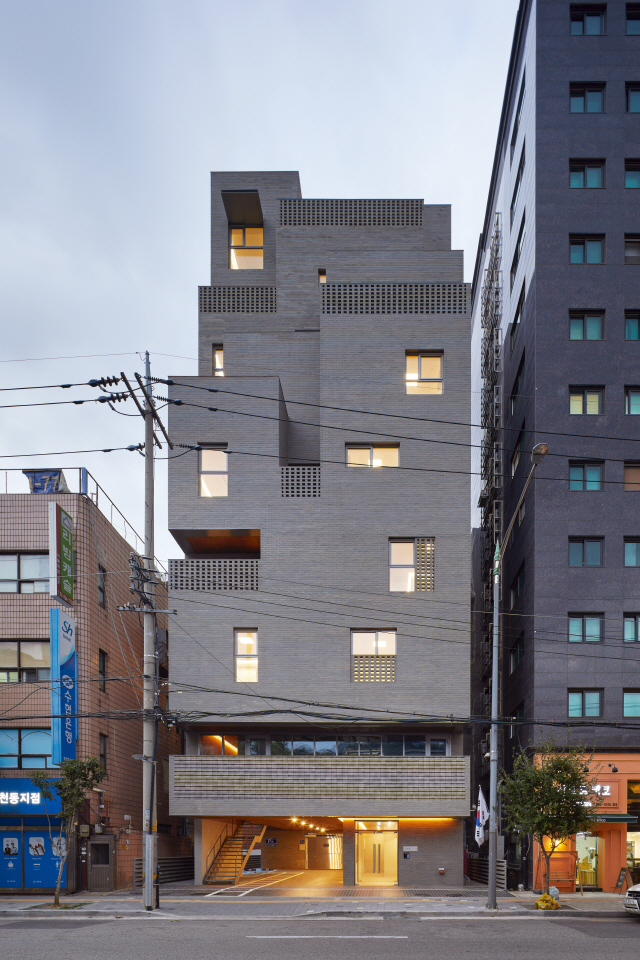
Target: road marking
[{"x": 319, "y": 936}]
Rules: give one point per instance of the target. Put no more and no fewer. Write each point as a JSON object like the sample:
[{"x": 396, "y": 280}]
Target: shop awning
[{"x": 616, "y": 818}]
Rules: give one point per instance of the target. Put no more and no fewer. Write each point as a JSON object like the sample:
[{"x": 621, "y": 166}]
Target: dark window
[
  {"x": 586, "y": 401},
  {"x": 518, "y": 520},
  {"x": 631, "y": 621},
  {"x": 586, "y": 174},
  {"x": 517, "y": 254},
  {"x": 517, "y": 317},
  {"x": 631, "y": 703},
  {"x": 24, "y": 572},
  {"x": 516, "y": 653},
  {"x": 518, "y": 184},
  {"x": 518, "y": 115},
  {"x": 631, "y": 552},
  {"x": 587, "y": 21},
  {"x": 103, "y": 752},
  {"x": 586, "y": 249},
  {"x": 586, "y": 627},
  {"x": 633, "y": 796},
  {"x": 518, "y": 384},
  {"x": 102, "y": 670},
  {"x": 586, "y": 326},
  {"x": 517, "y": 587},
  {"x": 517, "y": 453},
  {"x": 632, "y": 476},
  {"x": 586, "y": 552},
  {"x": 25, "y": 749},
  {"x": 632, "y": 174},
  {"x": 438, "y": 748},
  {"x": 632, "y": 250},
  {"x": 102, "y": 586},
  {"x": 633, "y": 20},
  {"x": 585, "y": 476},
  {"x": 632, "y": 401},
  {"x": 631, "y": 325},
  {"x": 633, "y": 97},
  {"x": 584, "y": 703},
  {"x": 25, "y": 661},
  {"x": 587, "y": 97},
  {"x": 517, "y": 718}
]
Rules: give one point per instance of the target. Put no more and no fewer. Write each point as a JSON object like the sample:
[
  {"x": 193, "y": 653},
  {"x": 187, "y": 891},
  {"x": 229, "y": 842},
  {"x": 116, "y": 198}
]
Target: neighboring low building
[{"x": 109, "y": 650}]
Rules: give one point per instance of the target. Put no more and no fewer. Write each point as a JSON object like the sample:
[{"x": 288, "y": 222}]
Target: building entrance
[{"x": 377, "y": 852}]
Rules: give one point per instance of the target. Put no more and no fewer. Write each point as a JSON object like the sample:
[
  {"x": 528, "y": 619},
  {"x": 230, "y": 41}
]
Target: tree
[
  {"x": 550, "y": 796},
  {"x": 76, "y": 778}
]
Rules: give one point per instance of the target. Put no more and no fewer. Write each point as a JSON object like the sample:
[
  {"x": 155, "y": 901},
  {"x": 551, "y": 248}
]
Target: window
[
  {"x": 517, "y": 453},
  {"x": 518, "y": 520},
  {"x": 517, "y": 587},
  {"x": 632, "y": 401},
  {"x": 518, "y": 115},
  {"x": 24, "y": 661},
  {"x": 631, "y": 621},
  {"x": 517, "y": 317},
  {"x": 246, "y": 656},
  {"x": 246, "y": 248},
  {"x": 633, "y": 796},
  {"x": 217, "y": 356},
  {"x": 632, "y": 173},
  {"x": 632, "y": 477},
  {"x": 586, "y": 326},
  {"x": 24, "y": 573},
  {"x": 585, "y": 476},
  {"x": 374, "y": 455},
  {"x": 411, "y": 565},
  {"x": 214, "y": 472},
  {"x": 102, "y": 586},
  {"x": 518, "y": 184},
  {"x": 633, "y": 19},
  {"x": 586, "y": 552},
  {"x": 631, "y": 325},
  {"x": 584, "y": 703},
  {"x": 631, "y": 250},
  {"x": 587, "y": 21},
  {"x": 373, "y": 655},
  {"x": 587, "y": 401},
  {"x": 587, "y": 174},
  {"x": 102, "y": 671},
  {"x": 518, "y": 717},
  {"x": 103, "y": 751},
  {"x": 424, "y": 373},
  {"x": 518, "y": 250},
  {"x": 631, "y": 703},
  {"x": 633, "y": 97},
  {"x": 516, "y": 653},
  {"x": 25, "y": 749},
  {"x": 516, "y": 390},
  {"x": 232, "y": 745},
  {"x": 586, "y": 627},
  {"x": 583, "y": 249},
  {"x": 631, "y": 552},
  {"x": 587, "y": 98},
  {"x": 322, "y": 275}
]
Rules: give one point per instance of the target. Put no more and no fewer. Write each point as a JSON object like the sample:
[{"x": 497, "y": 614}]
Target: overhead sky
[{"x": 112, "y": 115}]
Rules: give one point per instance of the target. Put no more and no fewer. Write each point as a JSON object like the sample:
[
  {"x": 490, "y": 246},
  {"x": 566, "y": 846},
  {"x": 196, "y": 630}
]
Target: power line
[{"x": 64, "y": 453}]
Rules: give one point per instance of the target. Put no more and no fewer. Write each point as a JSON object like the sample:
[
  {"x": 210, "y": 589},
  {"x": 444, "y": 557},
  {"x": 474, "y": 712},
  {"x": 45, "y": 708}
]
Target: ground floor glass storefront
[{"x": 30, "y": 849}]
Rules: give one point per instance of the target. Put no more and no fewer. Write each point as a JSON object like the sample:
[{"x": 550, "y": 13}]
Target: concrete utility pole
[
  {"x": 537, "y": 456},
  {"x": 149, "y": 724}
]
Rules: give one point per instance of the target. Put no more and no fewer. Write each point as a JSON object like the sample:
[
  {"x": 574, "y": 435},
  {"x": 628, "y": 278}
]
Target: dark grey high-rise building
[
  {"x": 320, "y": 660},
  {"x": 556, "y": 350}
]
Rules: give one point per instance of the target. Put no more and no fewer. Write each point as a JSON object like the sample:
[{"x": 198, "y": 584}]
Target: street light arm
[{"x": 515, "y": 514}]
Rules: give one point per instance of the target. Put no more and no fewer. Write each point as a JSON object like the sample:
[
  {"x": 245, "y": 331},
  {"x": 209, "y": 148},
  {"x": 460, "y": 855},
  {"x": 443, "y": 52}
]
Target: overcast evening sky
[{"x": 113, "y": 113}]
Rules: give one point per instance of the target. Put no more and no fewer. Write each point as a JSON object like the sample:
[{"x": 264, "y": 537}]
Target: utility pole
[{"x": 149, "y": 723}]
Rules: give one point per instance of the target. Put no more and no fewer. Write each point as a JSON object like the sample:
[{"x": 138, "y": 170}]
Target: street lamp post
[{"x": 537, "y": 456}]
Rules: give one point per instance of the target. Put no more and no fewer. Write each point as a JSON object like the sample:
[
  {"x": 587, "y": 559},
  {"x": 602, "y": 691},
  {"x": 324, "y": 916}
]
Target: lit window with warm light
[
  {"x": 246, "y": 248},
  {"x": 424, "y": 373},
  {"x": 402, "y": 566},
  {"x": 218, "y": 360},
  {"x": 246, "y": 656},
  {"x": 373, "y": 455},
  {"x": 213, "y": 480}
]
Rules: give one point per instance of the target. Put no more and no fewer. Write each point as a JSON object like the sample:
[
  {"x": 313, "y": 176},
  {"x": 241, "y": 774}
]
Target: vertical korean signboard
[
  {"x": 64, "y": 686},
  {"x": 60, "y": 554}
]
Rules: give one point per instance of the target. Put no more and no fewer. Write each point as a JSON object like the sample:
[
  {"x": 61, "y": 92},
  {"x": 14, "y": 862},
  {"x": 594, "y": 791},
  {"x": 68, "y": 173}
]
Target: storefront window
[{"x": 587, "y": 850}]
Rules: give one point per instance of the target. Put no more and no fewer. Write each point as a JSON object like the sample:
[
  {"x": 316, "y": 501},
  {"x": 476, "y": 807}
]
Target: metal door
[{"x": 100, "y": 865}]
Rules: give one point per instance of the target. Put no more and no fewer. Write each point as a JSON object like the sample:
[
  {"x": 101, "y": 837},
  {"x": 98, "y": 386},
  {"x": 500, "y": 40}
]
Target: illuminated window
[
  {"x": 246, "y": 248},
  {"x": 24, "y": 661},
  {"x": 214, "y": 474},
  {"x": 586, "y": 401},
  {"x": 424, "y": 373},
  {"x": 359, "y": 455},
  {"x": 24, "y": 573},
  {"x": 218, "y": 360},
  {"x": 584, "y": 703},
  {"x": 322, "y": 275},
  {"x": 373, "y": 642},
  {"x": 246, "y": 656},
  {"x": 412, "y": 565},
  {"x": 586, "y": 627}
]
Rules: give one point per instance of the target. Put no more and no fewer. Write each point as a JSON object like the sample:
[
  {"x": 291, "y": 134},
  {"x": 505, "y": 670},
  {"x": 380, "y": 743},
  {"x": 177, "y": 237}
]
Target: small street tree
[
  {"x": 550, "y": 796},
  {"x": 76, "y": 778}
]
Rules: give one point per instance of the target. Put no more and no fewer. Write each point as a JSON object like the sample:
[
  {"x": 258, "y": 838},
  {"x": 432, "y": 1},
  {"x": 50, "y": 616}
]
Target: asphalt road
[{"x": 541, "y": 938}]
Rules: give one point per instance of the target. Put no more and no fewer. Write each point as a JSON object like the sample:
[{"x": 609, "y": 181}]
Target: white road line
[{"x": 319, "y": 936}]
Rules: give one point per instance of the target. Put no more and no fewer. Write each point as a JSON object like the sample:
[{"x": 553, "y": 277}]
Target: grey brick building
[
  {"x": 555, "y": 347},
  {"x": 321, "y": 654}
]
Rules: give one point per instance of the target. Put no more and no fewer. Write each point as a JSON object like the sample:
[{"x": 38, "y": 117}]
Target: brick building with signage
[{"x": 109, "y": 647}]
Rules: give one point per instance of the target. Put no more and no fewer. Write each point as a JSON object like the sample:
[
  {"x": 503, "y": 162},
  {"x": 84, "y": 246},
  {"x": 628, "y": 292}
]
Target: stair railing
[{"x": 217, "y": 846}]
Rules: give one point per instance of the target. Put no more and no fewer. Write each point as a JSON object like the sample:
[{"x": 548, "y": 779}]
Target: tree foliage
[
  {"x": 76, "y": 778},
  {"x": 550, "y": 796}
]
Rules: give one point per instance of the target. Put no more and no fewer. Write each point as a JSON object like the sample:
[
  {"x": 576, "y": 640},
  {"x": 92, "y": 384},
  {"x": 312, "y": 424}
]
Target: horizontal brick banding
[
  {"x": 351, "y": 213},
  {"x": 417, "y": 299}
]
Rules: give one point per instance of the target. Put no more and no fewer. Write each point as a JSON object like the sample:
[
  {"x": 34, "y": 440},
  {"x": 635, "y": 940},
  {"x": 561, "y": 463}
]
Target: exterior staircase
[{"x": 229, "y": 855}]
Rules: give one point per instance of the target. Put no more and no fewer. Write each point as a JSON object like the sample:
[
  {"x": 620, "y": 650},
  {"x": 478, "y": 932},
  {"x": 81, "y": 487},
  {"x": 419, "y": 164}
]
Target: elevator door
[{"x": 377, "y": 857}]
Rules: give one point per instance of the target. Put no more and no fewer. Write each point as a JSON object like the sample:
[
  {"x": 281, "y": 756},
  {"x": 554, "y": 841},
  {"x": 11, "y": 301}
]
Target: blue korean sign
[
  {"x": 19, "y": 796},
  {"x": 11, "y": 859},
  {"x": 46, "y": 481},
  {"x": 64, "y": 686}
]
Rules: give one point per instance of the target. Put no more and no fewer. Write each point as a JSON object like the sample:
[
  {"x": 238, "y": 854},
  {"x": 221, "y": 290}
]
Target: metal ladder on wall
[{"x": 228, "y": 857}]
